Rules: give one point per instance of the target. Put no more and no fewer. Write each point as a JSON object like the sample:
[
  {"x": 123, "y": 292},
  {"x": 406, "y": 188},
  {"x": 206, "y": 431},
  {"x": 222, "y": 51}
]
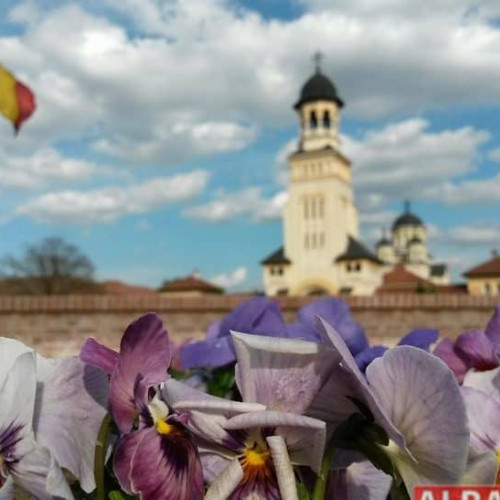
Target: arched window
[
  {"x": 313, "y": 122},
  {"x": 326, "y": 119}
]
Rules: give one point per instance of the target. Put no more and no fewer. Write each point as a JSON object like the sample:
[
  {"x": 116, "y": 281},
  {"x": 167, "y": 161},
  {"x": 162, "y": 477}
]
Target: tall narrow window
[
  {"x": 313, "y": 122},
  {"x": 486, "y": 288},
  {"x": 322, "y": 240},
  {"x": 313, "y": 208},
  {"x": 306, "y": 240},
  {"x": 313, "y": 244},
  {"x": 326, "y": 119},
  {"x": 321, "y": 208},
  {"x": 306, "y": 208}
]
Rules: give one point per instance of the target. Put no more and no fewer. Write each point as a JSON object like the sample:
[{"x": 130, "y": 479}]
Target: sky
[{"x": 160, "y": 140}]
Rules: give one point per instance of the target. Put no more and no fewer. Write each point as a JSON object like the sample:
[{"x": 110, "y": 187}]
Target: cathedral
[{"x": 322, "y": 251}]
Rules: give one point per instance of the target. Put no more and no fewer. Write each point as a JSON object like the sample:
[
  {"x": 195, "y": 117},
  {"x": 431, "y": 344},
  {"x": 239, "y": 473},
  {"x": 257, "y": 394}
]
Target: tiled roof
[
  {"x": 357, "y": 251},
  {"x": 277, "y": 257},
  {"x": 120, "y": 288},
  {"x": 188, "y": 284},
  {"x": 488, "y": 268},
  {"x": 438, "y": 269}
]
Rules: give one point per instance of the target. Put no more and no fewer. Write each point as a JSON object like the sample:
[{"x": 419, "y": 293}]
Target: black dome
[
  {"x": 383, "y": 242},
  {"x": 407, "y": 219},
  {"x": 316, "y": 88}
]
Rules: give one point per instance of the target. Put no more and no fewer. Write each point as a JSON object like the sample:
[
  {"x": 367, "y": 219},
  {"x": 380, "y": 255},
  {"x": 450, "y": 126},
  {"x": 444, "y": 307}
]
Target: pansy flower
[
  {"x": 23, "y": 461},
  {"x": 249, "y": 449},
  {"x": 69, "y": 405},
  {"x": 428, "y": 443},
  {"x": 155, "y": 456}
]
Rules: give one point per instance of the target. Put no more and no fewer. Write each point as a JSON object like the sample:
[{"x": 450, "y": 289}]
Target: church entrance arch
[{"x": 314, "y": 288}]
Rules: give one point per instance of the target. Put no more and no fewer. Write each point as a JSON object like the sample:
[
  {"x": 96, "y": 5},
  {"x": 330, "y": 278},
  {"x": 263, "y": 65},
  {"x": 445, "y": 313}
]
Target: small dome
[
  {"x": 383, "y": 242},
  {"x": 318, "y": 87},
  {"x": 407, "y": 218},
  {"x": 415, "y": 241}
]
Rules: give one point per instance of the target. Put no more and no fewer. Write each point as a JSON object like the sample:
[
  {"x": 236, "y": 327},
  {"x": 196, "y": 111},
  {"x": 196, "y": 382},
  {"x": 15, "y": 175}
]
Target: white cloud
[
  {"x": 248, "y": 202},
  {"x": 494, "y": 154},
  {"x": 475, "y": 235},
  {"x": 40, "y": 168},
  {"x": 231, "y": 280},
  {"x": 108, "y": 204},
  {"x": 402, "y": 159},
  {"x": 477, "y": 192},
  {"x": 281, "y": 161},
  {"x": 181, "y": 65}
]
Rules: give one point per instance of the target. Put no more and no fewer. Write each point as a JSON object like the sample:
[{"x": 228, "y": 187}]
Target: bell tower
[{"x": 319, "y": 112}]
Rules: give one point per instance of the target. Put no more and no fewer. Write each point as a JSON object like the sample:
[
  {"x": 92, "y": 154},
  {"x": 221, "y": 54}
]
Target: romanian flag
[{"x": 17, "y": 102}]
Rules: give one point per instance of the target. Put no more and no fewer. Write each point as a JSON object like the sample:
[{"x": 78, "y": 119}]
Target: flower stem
[
  {"x": 320, "y": 486},
  {"x": 100, "y": 457}
]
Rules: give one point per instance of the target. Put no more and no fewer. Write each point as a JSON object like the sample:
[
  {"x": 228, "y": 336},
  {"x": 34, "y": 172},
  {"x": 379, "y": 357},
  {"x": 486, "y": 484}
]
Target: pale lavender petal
[
  {"x": 366, "y": 356},
  {"x": 482, "y": 468},
  {"x": 422, "y": 338},
  {"x": 144, "y": 350},
  {"x": 213, "y": 464},
  {"x": 445, "y": 351},
  {"x": 493, "y": 329},
  {"x": 70, "y": 405},
  {"x": 167, "y": 467},
  {"x": 10, "y": 350},
  {"x": 124, "y": 453},
  {"x": 335, "y": 312},
  {"x": 214, "y": 353},
  {"x": 358, "y": 384},
  {"x": 96, "y": 354},
  {"x": 7, "y": 489},
  {"x": 38, "y": 473},
  {"x": 360, "y": 481},
  {"x": 17, "y": 392},
  {"x": 207, "y": 414},
  {"x": 476, "y": 349},
  {"x": 283, "y": 467},
  {"x": 488, "y": 382},
  {"x": 483, "y": 413},
  {"x": 305, "y": 436},
  {"x": 422, "y": 398},
  {"x": 226, "y": 482},
  {"x": 282, "y": 374}
]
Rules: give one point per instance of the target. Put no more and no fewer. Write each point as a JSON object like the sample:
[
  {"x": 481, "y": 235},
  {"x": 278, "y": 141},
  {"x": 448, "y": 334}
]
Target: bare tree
[{"x": 48, "y": 268}]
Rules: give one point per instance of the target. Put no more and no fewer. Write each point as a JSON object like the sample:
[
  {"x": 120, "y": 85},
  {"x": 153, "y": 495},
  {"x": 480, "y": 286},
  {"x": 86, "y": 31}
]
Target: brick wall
[{"x": 57, "y": 326}]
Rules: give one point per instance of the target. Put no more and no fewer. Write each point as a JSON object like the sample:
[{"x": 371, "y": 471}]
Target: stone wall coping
[{"x": 224, "y": 303}]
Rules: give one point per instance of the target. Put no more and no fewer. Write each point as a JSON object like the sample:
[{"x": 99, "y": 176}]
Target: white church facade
[{"x": 322, "y": 252}]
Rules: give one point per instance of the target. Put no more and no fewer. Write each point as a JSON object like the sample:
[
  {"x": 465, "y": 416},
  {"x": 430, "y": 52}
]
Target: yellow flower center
[
  {"x": 163, "y": 427},
  {"x": 256, "y": 457}
]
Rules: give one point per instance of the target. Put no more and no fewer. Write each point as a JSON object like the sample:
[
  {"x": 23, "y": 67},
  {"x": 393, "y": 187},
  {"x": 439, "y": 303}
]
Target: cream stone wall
[
  {"x": 362, "y": 277},
  {"x": 484, "y": 286}
]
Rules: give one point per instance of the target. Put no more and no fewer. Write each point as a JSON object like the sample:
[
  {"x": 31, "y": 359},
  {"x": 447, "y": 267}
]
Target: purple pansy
[
  {"x": 70, "y": 403},
  {"x": 336, "y": 312},
  {"x": 23, "y": 460},
  {"x": 428, "y": 443},
  {"x": 155, "y": 456},
  {"x": 258, "y": 315},
  {"x": 474, "y": 350},
  {"x": 251, "y": 447},
  {"x": 421, "y": 338}
]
